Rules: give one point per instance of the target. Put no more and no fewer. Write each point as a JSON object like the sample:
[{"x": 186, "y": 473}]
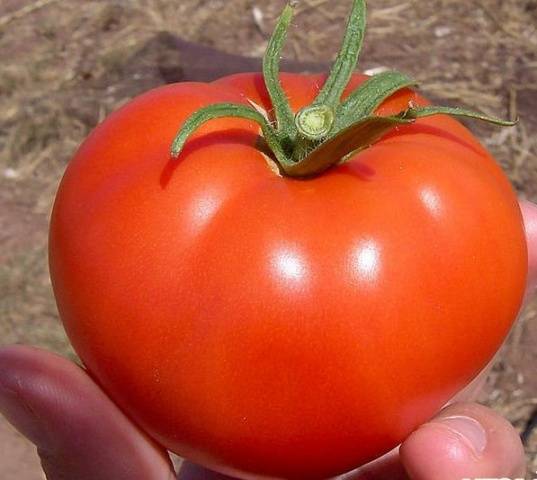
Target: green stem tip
[
  {"x": 326, "y": 132},
  {"x": 314, "y": 122}
]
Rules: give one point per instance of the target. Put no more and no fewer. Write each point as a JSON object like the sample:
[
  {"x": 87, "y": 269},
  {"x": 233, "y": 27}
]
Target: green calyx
[{"x": 326, "y": 132}]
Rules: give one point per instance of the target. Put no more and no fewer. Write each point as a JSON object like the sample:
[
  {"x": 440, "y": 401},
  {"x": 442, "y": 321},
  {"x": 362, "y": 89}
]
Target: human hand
[{"x": 81, "y": 434}]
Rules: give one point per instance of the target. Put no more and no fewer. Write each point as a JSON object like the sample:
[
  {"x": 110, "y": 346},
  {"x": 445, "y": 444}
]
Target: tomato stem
[
  {"x": 315, "y": 122},
  {"x": 328, "y": 131}
]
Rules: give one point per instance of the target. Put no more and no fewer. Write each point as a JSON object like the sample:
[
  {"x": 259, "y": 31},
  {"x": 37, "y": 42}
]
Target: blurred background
[{"x": 66, "y": 64}]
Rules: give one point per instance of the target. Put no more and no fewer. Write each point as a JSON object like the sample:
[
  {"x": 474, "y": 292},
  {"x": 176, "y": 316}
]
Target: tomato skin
[{"x": 269, "y": 326}]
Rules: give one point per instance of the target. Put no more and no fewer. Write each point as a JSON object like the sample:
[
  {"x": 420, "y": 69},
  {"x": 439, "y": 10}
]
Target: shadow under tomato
[
  {"x": 357, "y": 169},
  {"x": 224, "y": 137}
]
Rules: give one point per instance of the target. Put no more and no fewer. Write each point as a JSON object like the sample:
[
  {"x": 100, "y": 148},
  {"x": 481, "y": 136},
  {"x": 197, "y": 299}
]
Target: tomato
[
  {"x": 278, "y": 326},
  {"x": 290, "y": 306}
]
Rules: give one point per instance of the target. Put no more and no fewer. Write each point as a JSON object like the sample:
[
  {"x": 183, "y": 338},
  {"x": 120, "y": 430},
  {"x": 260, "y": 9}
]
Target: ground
[{"x": 66, "y": 64}]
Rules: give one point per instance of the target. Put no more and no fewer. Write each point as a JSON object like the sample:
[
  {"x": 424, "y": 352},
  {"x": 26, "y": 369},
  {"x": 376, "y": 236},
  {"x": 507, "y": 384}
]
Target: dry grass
[{"x": 66, "y": 64}]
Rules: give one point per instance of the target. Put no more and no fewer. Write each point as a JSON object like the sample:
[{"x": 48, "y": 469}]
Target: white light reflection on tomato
[{"x": 366, "y": 261}]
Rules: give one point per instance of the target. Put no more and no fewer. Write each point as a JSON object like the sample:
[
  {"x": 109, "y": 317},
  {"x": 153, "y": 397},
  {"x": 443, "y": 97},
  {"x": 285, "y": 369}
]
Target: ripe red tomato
[{"x": 260, "y": 324}]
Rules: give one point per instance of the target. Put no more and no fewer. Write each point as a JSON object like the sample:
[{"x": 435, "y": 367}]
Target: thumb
[
  {"x": 529, "y": 213},
  {"x": 465, "y": 440}
]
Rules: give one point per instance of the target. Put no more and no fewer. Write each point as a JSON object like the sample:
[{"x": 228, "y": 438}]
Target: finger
[
  {"x": 529, "y": 213},
  {"x": 191, "y": 471},
  {"x": 465, "y": 440},
  {"x": 78, "y": 431}
]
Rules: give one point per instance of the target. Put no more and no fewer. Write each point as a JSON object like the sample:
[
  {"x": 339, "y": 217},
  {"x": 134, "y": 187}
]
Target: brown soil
[{"x": 67, "y": 63}]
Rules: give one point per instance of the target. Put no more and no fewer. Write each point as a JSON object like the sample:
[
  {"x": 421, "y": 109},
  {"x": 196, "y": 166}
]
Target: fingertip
[
  {"x": 436, "y": 451},
  {"x": 21, "y": 385},
  {"x": 465, "y": 440}
]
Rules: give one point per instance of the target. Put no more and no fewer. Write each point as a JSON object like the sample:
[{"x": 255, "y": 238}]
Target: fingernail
[{"x": 468, "y": 429}]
